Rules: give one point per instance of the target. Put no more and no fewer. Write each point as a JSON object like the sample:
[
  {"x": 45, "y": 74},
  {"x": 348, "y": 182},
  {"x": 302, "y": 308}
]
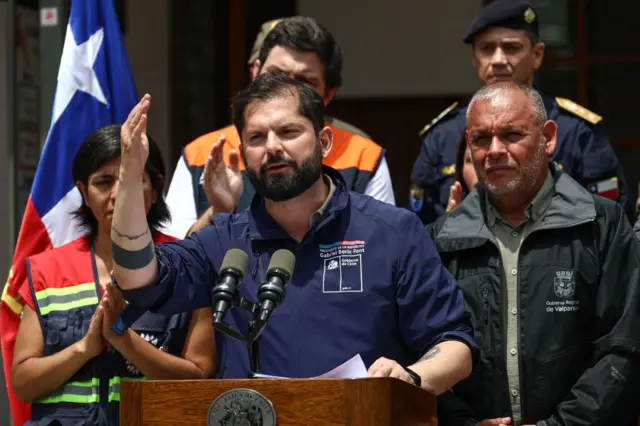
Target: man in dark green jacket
[{"x": 551, "y": 276}]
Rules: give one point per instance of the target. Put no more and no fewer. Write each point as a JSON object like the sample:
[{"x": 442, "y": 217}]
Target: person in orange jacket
[{"x": 300, "y": 47}]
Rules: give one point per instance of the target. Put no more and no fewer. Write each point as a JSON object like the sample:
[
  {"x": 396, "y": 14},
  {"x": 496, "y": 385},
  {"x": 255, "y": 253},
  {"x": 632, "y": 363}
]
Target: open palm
[
  {"x": 133, "y": 139},
  {"x": 222, "y": 183}
]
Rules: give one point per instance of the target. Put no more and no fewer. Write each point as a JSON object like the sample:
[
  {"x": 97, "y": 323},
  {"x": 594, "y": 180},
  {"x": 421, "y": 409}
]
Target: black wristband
[{"x": 416, "y": 378}]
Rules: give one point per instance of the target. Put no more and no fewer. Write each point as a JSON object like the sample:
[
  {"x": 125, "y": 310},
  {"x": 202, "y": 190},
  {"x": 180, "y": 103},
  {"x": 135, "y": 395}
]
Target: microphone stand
[
  {"x": 253, "y": 347},
  {"x": 251, "y": 341}
]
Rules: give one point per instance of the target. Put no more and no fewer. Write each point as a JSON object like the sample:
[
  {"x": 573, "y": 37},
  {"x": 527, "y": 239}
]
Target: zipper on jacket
[
  {"x": 523, "y": 386},
  {"x": 256, "y": 253},
  {"x": 485, "y": 302},
  {"x": 503, "y": 333}
]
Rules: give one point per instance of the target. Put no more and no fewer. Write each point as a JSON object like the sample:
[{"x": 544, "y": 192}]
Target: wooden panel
[
  {"x": 131, "y": 412},
  {"x": 404, "y": 406},
  {"x": 581, "y": 50},
  {"x": 197, "y": 77},
  {"x": 362, "y": 402},
  {"x": 238, "y": 72}
]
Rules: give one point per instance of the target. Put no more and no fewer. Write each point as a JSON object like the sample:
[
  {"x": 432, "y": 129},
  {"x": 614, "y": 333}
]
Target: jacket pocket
[
  {"x": 486, "y": 312},
  {"x": 484, "y": 327},
  {"x": 56, "y": 332},
  {"x": 477, "y": 391},
  {"x": 555, "y": 375},
  {"x": 64, "y": 415}
]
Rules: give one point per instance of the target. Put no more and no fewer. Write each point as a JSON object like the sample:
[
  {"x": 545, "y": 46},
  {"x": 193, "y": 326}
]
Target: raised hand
[
  {"x": 222, "y": 183},
  {"x": 134, "y": 142},
  {"x": 455, "y": 196}
]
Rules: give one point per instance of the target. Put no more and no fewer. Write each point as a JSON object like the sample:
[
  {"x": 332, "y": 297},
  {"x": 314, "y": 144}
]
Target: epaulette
[
  {"x": 581, "y": 112},
  {"x": 438, "y": 118}
]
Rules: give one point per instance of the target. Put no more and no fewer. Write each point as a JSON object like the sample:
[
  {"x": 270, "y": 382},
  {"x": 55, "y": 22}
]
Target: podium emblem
[{"x": 241, "y": 407}]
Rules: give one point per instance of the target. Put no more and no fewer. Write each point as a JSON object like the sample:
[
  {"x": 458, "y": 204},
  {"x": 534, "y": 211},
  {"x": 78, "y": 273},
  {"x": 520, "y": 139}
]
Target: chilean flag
[
  {"x": 95, "y": 88},
  {"x": 606, "y": 188}
]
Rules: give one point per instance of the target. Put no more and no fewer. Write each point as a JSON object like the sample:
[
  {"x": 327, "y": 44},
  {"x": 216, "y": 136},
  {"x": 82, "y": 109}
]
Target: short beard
[
  {"x": 287, "y": 185},
  {"x": 528, "y": 178}
]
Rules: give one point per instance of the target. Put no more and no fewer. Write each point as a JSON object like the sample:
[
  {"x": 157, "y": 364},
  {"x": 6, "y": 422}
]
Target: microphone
[
  {"x": 224, "y": 294},
  {"x": 272, "y": 292}
]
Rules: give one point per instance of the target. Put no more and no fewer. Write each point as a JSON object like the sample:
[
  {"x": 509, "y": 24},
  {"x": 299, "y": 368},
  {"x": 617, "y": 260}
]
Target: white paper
[
  {"x": 354, "y": 368},
  {"x": 266, "y": 376}
]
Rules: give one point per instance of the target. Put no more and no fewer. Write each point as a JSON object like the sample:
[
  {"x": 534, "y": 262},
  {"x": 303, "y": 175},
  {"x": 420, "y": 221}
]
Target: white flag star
[{"x": 76, "y": 71}]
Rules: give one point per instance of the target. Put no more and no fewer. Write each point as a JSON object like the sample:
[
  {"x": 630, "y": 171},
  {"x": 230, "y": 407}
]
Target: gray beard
[{"x": 523, "y": 182}]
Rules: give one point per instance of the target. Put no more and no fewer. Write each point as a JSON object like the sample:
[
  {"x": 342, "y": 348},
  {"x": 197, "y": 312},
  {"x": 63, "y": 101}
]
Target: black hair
[
  {"x": 102, "y": 146},
  {"x": 269, "y": 86},
  {"x": 533, "y": 37},
  {"x": 305, "y": 34}
]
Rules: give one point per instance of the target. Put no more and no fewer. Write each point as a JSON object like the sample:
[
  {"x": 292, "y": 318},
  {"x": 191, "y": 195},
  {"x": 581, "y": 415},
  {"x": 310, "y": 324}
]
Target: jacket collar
[
  {"x": 263, "y": 227},
  {"x": 537, "y": 207},
  {"x": 466, "y": 226}
]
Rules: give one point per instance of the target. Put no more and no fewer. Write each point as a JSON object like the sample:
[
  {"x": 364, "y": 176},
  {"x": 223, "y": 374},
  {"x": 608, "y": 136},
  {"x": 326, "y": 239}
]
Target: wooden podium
[{"x": 296, "y": 402}]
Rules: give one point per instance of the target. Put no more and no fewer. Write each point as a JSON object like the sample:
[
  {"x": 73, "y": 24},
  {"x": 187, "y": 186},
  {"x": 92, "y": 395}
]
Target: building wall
[
  {"x": 395, "y": 82},
  {"x": 383, "y": 56},
  {"x": 4, "y": 185},
  {"x": 147, "y": 40}
]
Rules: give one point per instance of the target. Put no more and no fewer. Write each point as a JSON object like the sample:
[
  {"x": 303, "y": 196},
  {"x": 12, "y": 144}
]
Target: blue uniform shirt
[
  {"x": 583, "y": 151},
  {"x": 368, "y": 280}
]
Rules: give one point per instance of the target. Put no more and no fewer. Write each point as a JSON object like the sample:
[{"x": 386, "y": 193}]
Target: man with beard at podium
[{"x": 391, "y": 300}]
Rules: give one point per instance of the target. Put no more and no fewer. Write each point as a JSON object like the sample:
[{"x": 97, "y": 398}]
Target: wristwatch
[{"x": 416, "y": 378}]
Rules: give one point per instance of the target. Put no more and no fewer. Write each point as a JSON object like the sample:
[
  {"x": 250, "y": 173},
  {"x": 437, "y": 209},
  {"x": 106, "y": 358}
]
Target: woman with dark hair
[
  {"x": 68, "y": 362},
  {"x": 466, "y": 178}
]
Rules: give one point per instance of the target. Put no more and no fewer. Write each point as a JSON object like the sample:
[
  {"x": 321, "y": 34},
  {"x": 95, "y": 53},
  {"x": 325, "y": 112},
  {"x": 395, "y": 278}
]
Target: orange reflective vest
[{"x": 355, "y": 157}]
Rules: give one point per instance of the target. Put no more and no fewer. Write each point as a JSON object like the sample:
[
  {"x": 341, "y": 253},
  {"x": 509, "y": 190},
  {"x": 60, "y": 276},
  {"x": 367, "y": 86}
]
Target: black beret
[{"x": 515, "y": 14}]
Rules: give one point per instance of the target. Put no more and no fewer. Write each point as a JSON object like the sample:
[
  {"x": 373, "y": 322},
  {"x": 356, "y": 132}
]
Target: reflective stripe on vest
[
  {"x": 76, "y": 392},
  {"x": 114, "y": 386},
  {"x": 114, "y": 389},
  {"x": 67, "y": 298}
]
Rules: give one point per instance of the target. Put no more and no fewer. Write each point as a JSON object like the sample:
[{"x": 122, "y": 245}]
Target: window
[{"x": 593, "y": 58}]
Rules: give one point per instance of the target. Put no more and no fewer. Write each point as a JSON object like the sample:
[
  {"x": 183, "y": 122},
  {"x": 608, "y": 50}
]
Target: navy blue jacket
[
  {"x": 368, "y": 280},
  {"x": 583, "y": 151}
]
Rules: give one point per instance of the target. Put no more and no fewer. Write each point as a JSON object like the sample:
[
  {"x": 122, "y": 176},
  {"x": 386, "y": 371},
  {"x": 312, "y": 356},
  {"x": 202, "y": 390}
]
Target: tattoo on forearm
[
  {"x": 131, "y": 237},
  {"x": 132, "y": 259},
  {"x": 431, "y": 354}
]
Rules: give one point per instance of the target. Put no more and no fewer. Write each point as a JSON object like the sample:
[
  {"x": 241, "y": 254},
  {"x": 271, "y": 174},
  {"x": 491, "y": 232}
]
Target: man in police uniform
[
  {"x": 505, "y": 47},
  {"x": 254, "y": 69}
]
